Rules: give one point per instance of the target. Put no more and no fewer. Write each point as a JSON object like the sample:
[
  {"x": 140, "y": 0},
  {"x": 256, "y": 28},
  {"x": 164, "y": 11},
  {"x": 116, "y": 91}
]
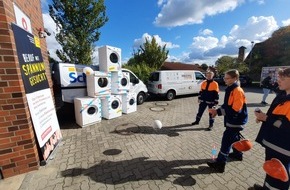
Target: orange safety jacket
[
  {"x": 209, "y": 92},
  {"x": 275, "y": 131},
  {"x": 234, "y": 108}
]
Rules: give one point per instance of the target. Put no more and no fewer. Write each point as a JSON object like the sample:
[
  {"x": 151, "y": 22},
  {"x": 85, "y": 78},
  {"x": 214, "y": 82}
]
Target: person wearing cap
[
  {"x": 274, "y": 135},
  {"x": 208, "y": 97},
  {"x": 234, "y": 110}
]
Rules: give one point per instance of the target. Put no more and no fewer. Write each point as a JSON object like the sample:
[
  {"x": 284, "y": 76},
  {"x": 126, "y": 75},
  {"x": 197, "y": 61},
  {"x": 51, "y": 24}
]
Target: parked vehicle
[
  {"x": 244, "y": 80},
  {"x": 171, "y": 83},
  {"x": 274, "y": 69},
  {"x": 69, "y": 82},
  {"x": 220, "y": 80}
]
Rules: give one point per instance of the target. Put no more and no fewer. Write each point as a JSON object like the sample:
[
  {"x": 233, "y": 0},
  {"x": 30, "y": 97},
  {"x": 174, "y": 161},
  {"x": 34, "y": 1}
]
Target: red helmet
[
  {"x": 276, "y": 169},
  {"x": 242, "y": 145}
]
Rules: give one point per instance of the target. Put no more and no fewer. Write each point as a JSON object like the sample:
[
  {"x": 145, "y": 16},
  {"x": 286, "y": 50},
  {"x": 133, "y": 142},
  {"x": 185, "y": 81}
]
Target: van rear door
[{"x": 154, "y": 81}]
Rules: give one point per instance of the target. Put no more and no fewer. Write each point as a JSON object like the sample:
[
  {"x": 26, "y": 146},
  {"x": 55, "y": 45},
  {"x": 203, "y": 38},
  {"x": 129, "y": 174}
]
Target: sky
[{"x": 194, "y": 31}]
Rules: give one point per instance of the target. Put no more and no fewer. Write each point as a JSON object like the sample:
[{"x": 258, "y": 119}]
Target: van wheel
[
  {"x": 170, "y": 95},
  {"x": 140, "y": 98}
]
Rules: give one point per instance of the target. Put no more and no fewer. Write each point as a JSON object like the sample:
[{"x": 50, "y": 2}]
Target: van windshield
[
  {"x": 154, "y": 77},
  {"x": 199, "y": 76}
]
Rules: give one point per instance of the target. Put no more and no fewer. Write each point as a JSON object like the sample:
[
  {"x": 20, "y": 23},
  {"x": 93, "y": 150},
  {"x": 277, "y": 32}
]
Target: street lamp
[{"x": 251, "y": 54}]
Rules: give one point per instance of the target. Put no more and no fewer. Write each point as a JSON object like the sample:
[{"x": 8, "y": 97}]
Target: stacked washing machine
[
  {"x": 110, "y": 62},
  {"x": 87, "y": 111},
  {"x": 108, "y": 90}
]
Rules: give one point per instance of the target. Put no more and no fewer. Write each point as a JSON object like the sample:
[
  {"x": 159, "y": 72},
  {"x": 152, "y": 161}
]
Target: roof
[{"x": 183, "y": 66}]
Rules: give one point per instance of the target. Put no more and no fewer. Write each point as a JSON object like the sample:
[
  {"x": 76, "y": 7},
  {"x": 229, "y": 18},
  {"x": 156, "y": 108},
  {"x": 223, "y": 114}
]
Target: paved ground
[{"x": 126, "y": 153}]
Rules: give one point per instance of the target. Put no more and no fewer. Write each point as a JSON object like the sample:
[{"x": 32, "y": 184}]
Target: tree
[
  {"x": 148, "y": 58},
  {"x": 204, "y": 66},
  {"x": 226, "y": 62},
  {"x": 151, "y": 54},
  {"x": 78, "y": 22}
]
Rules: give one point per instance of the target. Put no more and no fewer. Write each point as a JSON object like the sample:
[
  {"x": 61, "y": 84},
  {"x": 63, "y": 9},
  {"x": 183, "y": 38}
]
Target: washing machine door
[
  {"x": 114, "y": 57},
  {"x": 124, "y": 81},
  {"x": 115, "y": 104},
  {"x": 103, "y": 82},
  {"x": 92, "y": 110},
  {"x": 131, "y": 101}
]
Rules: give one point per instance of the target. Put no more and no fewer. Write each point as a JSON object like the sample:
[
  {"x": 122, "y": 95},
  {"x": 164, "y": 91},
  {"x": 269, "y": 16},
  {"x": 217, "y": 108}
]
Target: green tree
[
  {"x": 148, "y": 58},
  {"x": 226, "y": 62},
  {"x": 78, "y": 22},
  {"x": 150, "y": 53},
  {"x": 204, "y": 66}
]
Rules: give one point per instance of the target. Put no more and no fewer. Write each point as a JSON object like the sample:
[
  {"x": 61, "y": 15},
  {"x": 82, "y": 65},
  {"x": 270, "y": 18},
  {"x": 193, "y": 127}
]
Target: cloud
[
  {"x": 206, "y": 32},
  {"x": 286, "y": 22},
  {"x": 52, "y": 44},
  {"x": 191, "y": 12},
  {"x": 210, "y": 48},
  {"x": 142, "y": 40}
]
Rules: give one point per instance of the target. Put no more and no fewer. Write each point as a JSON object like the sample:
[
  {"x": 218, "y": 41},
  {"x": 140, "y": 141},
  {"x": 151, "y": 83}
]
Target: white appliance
[
  {"x": 129, "y": 103},
  {"x": 99, "y": 84},
  {"x": 109, "y": 59},
  {"x": 111, "y": 106},
  {"x": 120, "y": 82},
  {"x": 87, "y": 111}
]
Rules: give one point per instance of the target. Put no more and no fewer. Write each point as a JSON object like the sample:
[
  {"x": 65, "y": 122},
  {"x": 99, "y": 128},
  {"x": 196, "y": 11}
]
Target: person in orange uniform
[
  {"x": 274, "y": 134},
  {"x": 234, "y": 110},
  {"x": 208, "y": 97}
]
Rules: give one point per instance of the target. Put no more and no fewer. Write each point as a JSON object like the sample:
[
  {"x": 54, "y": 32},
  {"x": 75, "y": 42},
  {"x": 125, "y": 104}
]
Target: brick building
[{"x": 18, "y": 145}]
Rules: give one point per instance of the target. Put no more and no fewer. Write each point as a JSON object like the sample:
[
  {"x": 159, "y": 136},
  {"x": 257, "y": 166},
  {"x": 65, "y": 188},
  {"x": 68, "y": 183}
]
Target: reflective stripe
[
  {"x": 270, "y": 187},
  {"x": 276, "y": 148},
  {"x": 209, "y": 102},
  {"x": 234, "y": 126},
  {"x": 224, "y": 154}
]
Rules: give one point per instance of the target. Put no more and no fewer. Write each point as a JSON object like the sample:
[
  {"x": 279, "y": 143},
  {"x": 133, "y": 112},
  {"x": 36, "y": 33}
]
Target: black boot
[
  {"x": 195, "y": 123},
  {"x": 218, "y": 166},
  {"x": 235, "y": 156},
  {"x": 259, "y": 187}
]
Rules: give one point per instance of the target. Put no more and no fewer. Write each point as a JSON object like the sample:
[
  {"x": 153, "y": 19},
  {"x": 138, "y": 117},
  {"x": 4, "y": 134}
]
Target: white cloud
[
  {"x": 142, "y": 40},
  {"x": 206, "y": 32},
  {"x": 257, "y": 28},
  {"x": 210, "y": 48},
  {"x": 286, "y": 22},
  {"x": 52, "y": 44},
  {"x": 191, "y": 12}
]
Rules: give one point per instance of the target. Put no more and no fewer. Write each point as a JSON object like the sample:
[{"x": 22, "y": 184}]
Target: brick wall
[{"x": 18, "y": 146}]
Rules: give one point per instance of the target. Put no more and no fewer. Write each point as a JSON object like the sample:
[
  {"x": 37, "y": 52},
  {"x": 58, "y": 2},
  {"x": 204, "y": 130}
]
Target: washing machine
[
  {"x": 129, "y": 102},
  {"x": 99, "y": 84},
  {"x": 87, "y": 110},
  {"x": 111, "y": 106},
  {"x": 120, "y": 82},
  {"x": 109, "y": 58}
]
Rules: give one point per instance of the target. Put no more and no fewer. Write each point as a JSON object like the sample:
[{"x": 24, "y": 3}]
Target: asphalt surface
[{"x": 127, "y": 153}]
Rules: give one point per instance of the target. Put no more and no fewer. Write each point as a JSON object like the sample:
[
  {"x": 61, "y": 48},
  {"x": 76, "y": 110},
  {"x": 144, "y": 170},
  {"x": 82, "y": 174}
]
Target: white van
[
  {"x": 171, "y": 83},
  {"x": 69, "y": 82}
]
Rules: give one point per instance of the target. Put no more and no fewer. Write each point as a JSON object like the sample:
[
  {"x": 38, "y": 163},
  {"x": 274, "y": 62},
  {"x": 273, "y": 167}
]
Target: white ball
[
  {"x": 88, "y": 71},
  {"x": 157, "y": 124}
]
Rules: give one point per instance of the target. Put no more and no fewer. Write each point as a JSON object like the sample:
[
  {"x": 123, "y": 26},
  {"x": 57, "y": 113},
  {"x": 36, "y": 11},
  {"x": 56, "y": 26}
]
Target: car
[
  {"x": 244, "y": 80},
  {"x": 220, "y": 80}
]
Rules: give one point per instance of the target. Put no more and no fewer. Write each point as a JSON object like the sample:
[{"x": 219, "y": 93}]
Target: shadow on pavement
[
  {"x": 142, "y": 168},
  {"x": 171, "y": 131}
]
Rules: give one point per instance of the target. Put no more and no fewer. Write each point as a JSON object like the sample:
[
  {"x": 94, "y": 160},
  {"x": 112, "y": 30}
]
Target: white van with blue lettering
[{"x": 69, "y": 81}]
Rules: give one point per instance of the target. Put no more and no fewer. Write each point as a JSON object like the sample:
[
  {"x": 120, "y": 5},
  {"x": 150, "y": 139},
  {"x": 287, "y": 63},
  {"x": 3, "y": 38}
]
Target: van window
[
  {"x": 199, "y": 76},
  {"x": 154, "y": 77},
  {"x": 133, "y": 79}
]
